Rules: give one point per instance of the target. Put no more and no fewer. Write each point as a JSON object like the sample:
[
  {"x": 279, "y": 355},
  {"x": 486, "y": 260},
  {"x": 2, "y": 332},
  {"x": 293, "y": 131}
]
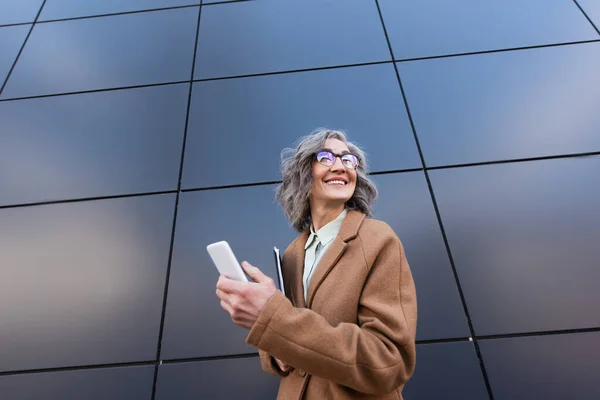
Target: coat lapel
[{"x": 348, "y": 231}]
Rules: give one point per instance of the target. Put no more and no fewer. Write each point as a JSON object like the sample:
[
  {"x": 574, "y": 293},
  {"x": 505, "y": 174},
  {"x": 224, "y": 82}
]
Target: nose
[{"x": 338, "y": 165}]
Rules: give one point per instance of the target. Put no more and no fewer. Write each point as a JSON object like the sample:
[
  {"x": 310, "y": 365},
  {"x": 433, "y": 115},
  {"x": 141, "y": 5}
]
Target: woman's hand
[
  {"x": 245, "y": 300},
  {"x": 282, "y": 366}
]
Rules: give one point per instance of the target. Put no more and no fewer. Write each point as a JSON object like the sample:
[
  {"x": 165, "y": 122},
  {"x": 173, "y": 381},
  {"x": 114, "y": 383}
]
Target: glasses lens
[
  {"x": 325, "y": 158},
  {"x": 350, "y": 161}
]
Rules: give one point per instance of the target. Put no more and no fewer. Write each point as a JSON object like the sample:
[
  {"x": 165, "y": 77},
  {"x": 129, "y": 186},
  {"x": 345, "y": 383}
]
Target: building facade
[{"x": 134, "y": 133}]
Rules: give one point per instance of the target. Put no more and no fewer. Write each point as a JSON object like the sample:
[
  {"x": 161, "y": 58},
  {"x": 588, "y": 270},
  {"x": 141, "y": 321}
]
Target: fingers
[
  {"x": 282, "y": 366},
  {"x": 229, "y": 285},
  {"x": 237, "y": 316},
  {"x": 255, "y": 273},
  {"x": 252, "y": 271},
  {"x": 226, "y": 307},
  {"x": 244, "y": 301}
]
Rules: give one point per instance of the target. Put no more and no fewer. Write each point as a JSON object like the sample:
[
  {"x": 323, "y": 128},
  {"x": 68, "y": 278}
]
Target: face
[{"x": 332, "y": 185}]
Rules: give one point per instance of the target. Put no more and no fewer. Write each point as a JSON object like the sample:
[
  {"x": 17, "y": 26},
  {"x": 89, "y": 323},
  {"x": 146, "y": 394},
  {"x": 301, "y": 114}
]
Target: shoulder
[
  {"x": 378, "y": 239},
  {"x": 374, "y": 230}
]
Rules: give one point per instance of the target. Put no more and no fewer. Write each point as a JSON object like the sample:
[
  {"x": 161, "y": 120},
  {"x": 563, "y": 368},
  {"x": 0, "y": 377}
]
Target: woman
[{"x": 347, "y": 330}]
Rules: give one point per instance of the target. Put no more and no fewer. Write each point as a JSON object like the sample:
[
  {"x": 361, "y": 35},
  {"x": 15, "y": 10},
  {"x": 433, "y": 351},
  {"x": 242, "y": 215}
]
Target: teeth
[{"x": 335, "y": 182}]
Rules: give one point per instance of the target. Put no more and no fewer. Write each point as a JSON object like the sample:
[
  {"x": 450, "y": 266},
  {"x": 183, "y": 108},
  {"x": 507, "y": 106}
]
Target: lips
[{"x": 336, "y": 182}]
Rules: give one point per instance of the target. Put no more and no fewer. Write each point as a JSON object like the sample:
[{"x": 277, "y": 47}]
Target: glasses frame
[{"x": 341, "y": 157}]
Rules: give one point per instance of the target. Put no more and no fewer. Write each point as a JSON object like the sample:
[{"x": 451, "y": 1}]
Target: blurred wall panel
[
  {"x": 11, "y": 40},
  {"x": 544, "y": 367},
  {"x": 446, "y": 371},
  {"x": 592, "y": 10},
  {"x": 437, "y": 27},
  {"x": 488, "y": 107},
  {"x": 524, "y": 237},
  {"x": 405, "y": 204},
  {"x": 126, "y": 383},
  {"x": 18, "y": 11},
  {"x": 82, "y": 283},
  {"x": 106, "y": 52},
  {"x": 240, "y": 378},
  {"x": 56, "y": 9},
  {"x": 238, "y": 127},
  {"x": 273, "y": 35},
  {"x": 91, "y": 145}
]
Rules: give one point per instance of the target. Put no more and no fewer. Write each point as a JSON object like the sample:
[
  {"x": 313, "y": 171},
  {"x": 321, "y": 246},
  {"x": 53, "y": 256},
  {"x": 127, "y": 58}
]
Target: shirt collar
[{"x": 328, "y": 232}]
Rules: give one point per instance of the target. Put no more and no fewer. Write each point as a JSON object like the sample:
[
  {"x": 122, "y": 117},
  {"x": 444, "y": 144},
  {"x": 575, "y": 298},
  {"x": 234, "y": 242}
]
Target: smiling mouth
[{"x": 336, "y": 182}]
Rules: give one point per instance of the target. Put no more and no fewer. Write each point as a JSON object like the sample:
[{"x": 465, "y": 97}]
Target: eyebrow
[{"x": 343, "y": 151}]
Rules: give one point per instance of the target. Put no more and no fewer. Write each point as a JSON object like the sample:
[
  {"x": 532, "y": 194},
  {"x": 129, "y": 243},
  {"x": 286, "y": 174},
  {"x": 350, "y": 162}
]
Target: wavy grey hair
[{"x": 296, "y": 170}]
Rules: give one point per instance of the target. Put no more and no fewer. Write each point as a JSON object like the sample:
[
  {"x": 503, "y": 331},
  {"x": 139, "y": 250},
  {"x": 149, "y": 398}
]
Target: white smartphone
[{"x": 225, "y": 261}]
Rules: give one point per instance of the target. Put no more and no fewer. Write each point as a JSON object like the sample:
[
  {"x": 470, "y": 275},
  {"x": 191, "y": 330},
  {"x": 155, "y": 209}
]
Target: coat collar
[{"x": 348, "y": 231}]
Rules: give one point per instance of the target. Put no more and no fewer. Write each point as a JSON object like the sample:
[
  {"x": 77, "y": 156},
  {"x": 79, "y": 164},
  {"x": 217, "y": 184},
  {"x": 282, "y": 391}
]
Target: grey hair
[{"x": 296, "y": 170}]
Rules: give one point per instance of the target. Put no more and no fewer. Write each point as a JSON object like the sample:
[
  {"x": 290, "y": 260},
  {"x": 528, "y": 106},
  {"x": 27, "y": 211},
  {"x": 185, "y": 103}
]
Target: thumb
[{"x": 253, "y": 272}]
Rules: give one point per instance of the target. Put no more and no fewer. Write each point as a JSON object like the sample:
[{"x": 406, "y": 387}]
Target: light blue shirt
[{"x": 316, "y": 246}]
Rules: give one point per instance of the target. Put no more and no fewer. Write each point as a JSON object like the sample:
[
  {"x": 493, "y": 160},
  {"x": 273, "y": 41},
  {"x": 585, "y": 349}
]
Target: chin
[{"x": 339, "y": 198}]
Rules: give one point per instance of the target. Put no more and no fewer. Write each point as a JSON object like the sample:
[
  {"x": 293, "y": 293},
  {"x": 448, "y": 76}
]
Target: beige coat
[{"x": 354, "y": 338}]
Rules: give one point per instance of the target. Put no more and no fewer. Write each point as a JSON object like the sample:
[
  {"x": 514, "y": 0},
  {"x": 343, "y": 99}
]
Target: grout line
[
  {"x": 78, "y": 368},
  {"x": 266, "y": 183},
  {"x": 181, "y": 163},
  {"x": 474, "y": 53},
  {"x": 15, "y": 24},
  {"x": 42, "y": 96},
  {"x": 253, "y": 355},
  {"x": 514, "y": 160},
  {"x": 116, "y": 14},
  {"x": 209, "y": 358},
  {"x": 438, "y": 341},
  {"x": 396, "y": 171},
  {"x": 22, "y": 47},
  {"x": 44, "y": 21},
  {"x": 597, "y": 28},
  {"x": 82, "y": 199},
  {"x": 538, "y": 334},
  {"x": 226, "y": 2},
  {"x": 437, "y": 212},
  {"x": 233, "y": 186},
  {"x": 292, "y": 71}
]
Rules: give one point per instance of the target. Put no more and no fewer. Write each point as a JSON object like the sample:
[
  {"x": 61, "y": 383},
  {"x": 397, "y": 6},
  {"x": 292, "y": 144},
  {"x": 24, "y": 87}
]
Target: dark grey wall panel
[
  {"x": 249, "y": 220},
  {"x": 97, "y": 53},
  {"x": 128, "y": 383},
  {"x": 544, "y": 367},
  {"x": 438, "y": 27},
  {"x": 18, "y": 11},
  {"x": 218, "y": 379},
  {"x": 506, "y": 105},
  {"x": 55, "y": 9},
  {"x": 592, "y": 10},
  {"x": 405, "y": 203},
  {"x": 446, "y": 371},
  {"x": 93, "y": 144},
  {"x": 253, "y": 119},
  {"x": 524, "y": 238},
  {"x": 272, "y": 35},
  {"x": 11, "y": 40},
  {"x": 83, "y": 282}
]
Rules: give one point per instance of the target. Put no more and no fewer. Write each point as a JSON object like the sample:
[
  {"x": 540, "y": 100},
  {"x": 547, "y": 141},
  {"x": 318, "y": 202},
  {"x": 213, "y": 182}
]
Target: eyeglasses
[{"x": 327, "y": 158}]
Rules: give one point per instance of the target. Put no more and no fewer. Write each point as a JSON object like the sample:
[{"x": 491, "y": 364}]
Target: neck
[{"x": 322, "y": 215}]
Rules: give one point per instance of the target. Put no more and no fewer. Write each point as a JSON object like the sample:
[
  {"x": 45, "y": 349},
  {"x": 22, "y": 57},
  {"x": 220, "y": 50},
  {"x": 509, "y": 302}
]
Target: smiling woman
[{"x": 347, "y": 328}]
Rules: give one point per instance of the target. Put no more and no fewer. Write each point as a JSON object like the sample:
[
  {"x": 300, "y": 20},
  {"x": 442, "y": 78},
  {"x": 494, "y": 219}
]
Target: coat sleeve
[
  {"x": 373, "y": 356},
  {"x": 268, "y": 364}
]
